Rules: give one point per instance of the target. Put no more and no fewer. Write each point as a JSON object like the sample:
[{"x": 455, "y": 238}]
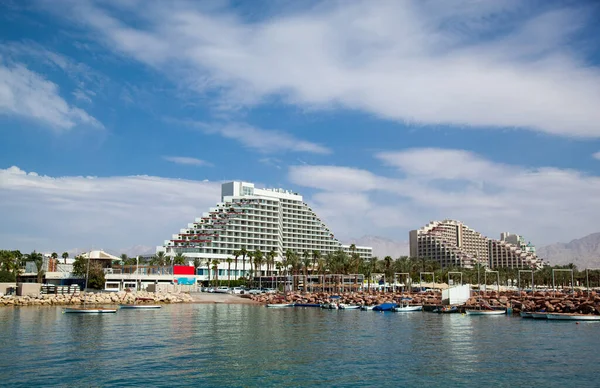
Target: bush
[{"x": 7, "y": 277}]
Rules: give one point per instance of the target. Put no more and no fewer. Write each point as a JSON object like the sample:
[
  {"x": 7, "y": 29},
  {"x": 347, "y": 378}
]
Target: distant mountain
[
  {"x": 382, "y": 246},
  {"x": 583, "y": 252}
]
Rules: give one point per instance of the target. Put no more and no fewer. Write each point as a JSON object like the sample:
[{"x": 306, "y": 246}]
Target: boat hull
[
  {"x": 485, "y": 312},
  {"x": 572, "y": 317},
  {"x": 280, "y": 305},
  {"x": 525, "y": 314},
  {"x": 139, "y": 307},
  {"x": 539, "y": 315},
  {"x": 88, "y": 311},
  {"x": 408, "y": 309},
  {"x": 344, "y": 307}
]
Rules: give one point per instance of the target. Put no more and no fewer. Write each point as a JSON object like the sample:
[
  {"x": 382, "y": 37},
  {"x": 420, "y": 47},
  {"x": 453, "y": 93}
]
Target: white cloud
[
  {"x": 544, "y": 204},
  {"x": 59, "y": 213},
  {"x": 596, "y": 155},
  {"x": 262, "y": 140},
  {"x": 27, "y": 94},
  {"x": 185, "y": 160},
  {"x": 481, "y": 64}
]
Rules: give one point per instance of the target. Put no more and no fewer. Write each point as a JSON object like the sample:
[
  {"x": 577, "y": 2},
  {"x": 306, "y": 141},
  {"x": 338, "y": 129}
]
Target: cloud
[
  {"x": 25, "y": 93},
  {"x": 596, "y": 155},
  {"x": 474, "y": 64},
  {"x": 544, "y": 204},
  {"x": 187, "y": 161},
  {"x": 59, "y": 213},
  {"x": 261, "y": 140}
]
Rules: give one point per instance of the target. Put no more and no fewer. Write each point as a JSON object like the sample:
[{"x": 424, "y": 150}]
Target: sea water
[{"x": 222, "y": 345}]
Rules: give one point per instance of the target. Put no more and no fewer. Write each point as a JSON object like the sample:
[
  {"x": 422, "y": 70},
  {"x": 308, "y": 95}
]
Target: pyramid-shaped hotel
[{"x": 269, "y": 220}]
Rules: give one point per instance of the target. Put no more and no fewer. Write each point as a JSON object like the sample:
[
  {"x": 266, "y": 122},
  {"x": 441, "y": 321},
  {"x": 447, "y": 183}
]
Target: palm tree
[
  {"x": 236, "y": 254},
  {"x": 271, "y": 260},
  {"x": 258, "y": 262},
  {"x": 159, "y": 259},
  {"x": 215, "y": 267},
  {"x": 306, "y": 260},
  {"x": 179, "y": 259},
  {"x": 196, "y": 265},
  {"x": 65, "y": 256},
  {"x": 243, "y": 252},
  {"x": 229, "y": 260}
]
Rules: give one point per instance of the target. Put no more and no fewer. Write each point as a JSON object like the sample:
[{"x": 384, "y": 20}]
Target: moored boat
[
  {"x": 367, "y": 308},
  {"x": 525, "y": 314},
  {"x": 485, "y": 312},
  {"x": 344, "y": 306},
  {"x": 88, "y": 310},
  {"x": 307, "y": 305},
  {"x": 572, "y": 317},
  {"x": 385, "y": 307},
  {"x": 280, "y": 305},
  {"x": 139, "y": 306},
  {"x": 406, "y": 309},
  {"x": 539, "y": 315}
]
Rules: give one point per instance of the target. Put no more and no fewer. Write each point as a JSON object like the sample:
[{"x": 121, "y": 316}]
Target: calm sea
[{"x": 253, "y": 346}]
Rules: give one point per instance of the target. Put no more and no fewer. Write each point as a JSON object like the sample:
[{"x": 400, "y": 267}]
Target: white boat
[
  {"x": 406, "y": 309},
  {"x": 140, "y": 306},
  {"x": 366, "y": 308},
  {"x": 485, "y": 312},
  {"x": 88, "y": 310},
  {"x": 348, "y": 306},
  {"x": 572, "y": 317},
  {"x": 280, "y": 305}
]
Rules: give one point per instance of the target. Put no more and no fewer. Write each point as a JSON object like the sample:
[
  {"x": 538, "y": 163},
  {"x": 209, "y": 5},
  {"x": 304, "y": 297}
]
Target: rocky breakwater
[
  {"x": 352, "y": 298},
  {"x": 91, "y": 298},
  {"x": 579, "y": 302}
]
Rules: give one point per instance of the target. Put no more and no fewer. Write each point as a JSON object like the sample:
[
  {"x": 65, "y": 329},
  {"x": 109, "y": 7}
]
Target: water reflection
[{"x": 239, "y": 345}]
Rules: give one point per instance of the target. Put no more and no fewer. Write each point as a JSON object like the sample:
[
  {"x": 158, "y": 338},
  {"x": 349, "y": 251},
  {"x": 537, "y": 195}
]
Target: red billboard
[{"x": 183, "y": 270}]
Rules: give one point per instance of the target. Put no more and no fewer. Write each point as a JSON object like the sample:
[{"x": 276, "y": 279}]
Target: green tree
[
  {"x": 243, "y": 253},
  {"x": 179, "y": 259},
  {"x": 236, "y": 255},
  {"x": 38, "y": 259},
  {"x": 229, "y": 261},
  {"x": 258, "y": 262},
  {"x": 196, "y": 265},
  {"x": 65, "y": 256}
]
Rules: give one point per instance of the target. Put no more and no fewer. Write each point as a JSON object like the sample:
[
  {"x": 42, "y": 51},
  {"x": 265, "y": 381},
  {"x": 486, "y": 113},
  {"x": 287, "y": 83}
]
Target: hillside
[{"x": 583, "y": 252}]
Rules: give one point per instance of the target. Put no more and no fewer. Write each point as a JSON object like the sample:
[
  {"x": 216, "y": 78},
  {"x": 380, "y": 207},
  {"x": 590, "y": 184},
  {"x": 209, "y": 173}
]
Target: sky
[{"x": 119, "y": 120}]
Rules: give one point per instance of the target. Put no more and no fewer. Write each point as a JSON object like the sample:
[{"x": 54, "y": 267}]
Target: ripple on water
[{"x": 247, "y": 346}]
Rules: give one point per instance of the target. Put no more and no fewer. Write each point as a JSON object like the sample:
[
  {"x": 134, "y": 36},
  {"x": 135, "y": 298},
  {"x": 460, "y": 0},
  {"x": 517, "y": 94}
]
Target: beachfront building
[
  {"x": 272, "y": 221},
  {"x": 511, "y": 251},
  {"x": 452, "y": 243}
]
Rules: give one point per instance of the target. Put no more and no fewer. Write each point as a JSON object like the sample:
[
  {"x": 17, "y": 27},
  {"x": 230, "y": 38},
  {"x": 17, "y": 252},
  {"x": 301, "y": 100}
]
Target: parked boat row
[{"x": 559, "y": 316}]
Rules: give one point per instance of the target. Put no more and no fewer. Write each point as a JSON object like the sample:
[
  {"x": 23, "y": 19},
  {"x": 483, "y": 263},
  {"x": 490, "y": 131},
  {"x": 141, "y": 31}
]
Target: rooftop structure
[
  {"x": 452, "y": 243},
  {"x": 269, "y": 220}
]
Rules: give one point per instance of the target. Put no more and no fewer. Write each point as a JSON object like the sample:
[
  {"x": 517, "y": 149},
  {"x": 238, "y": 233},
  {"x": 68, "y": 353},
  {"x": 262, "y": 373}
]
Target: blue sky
[{"x": 119, "y": 120}]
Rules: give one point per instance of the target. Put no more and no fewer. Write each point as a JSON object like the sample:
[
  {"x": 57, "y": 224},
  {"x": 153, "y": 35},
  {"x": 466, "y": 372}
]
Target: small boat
[
  {"x": 407, "y": 309},
  {"x": 446, "y": 310},
  {"x": 330, "y": 306},
  {"x": 139, "y": 306},
  {"x": 539, "y": 315},
  {"x": 280, "y": 305},
  {"x": 572, "y": 317},
  {"x": 88, "y": 310},
  {"x": 525, "y": 314},
  {"x": 485, "y": 312},
  {"x": 344, "y": 306},
  {"x": 385, "y": 307},
  {"x": 366, "y": 308},
  {"x": 307, "y": 305}
]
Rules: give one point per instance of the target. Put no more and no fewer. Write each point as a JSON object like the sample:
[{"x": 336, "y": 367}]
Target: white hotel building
[
  {"x": 251, "y": 218},
  {"x": 452, "y": 243}
]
